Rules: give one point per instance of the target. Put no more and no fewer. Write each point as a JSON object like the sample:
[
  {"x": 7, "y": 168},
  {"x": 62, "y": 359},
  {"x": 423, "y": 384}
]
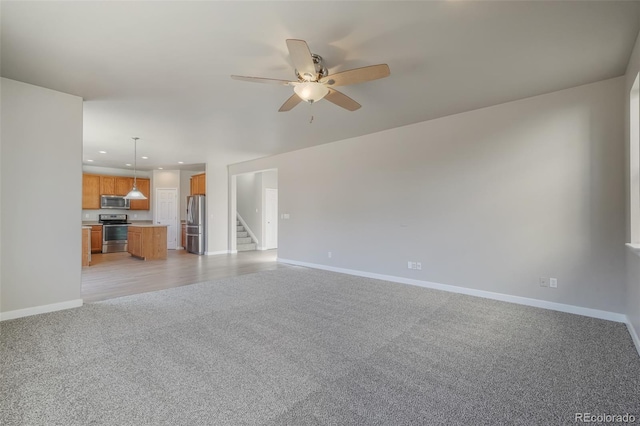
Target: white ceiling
[{"x": 160, "y": 70}]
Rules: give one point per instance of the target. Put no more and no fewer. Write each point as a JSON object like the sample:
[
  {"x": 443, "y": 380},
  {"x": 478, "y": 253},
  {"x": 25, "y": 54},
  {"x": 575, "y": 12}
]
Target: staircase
[{"x": 243, "y": 240}]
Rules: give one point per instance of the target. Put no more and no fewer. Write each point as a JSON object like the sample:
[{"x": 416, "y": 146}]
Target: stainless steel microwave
[{"x": 114, "y": 202}]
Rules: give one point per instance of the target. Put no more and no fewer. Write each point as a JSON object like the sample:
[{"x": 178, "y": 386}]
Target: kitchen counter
[
  {"x": 131, "y": 222},
  {"x": 146, "y": 225}
]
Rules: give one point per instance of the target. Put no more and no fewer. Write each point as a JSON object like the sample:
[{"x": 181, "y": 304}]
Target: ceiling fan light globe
[{"x": 311, "y": 91}]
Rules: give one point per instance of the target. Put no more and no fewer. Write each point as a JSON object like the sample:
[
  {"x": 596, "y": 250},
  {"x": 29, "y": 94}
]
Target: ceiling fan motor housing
[{"x": 321, "y": 70}]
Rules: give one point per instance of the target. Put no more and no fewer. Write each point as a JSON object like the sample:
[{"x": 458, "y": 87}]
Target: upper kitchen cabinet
[
  {"x": 123, "y": 185},
  {"x": 90, "y": 191},
  {"x": 107, "y": 185},
  {"x": 115, "y": 185},
  {"x": 198, "y": 184},
  {"x": 144, "y": 186},
  {"x": 93, "y": 186}
]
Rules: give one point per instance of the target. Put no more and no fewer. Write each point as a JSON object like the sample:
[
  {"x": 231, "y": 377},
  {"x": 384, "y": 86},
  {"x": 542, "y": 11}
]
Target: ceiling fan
[{"x": 313, "y": 82}]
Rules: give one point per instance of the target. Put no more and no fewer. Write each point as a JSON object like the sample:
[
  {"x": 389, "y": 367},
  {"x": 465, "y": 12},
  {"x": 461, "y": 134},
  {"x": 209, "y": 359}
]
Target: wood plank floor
[{"x": 118, "y": 274}]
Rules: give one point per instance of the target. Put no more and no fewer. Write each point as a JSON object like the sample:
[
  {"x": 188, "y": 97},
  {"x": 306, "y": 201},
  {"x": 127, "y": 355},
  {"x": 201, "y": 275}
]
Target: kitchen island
[{"x": 147, "y": 241}]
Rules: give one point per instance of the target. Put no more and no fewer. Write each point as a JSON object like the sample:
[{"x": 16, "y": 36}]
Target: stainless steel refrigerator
[{"x": 196, "y": 216}]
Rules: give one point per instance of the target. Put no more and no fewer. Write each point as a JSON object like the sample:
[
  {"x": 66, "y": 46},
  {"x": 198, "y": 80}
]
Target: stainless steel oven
[{"x": 114, "y": 232}]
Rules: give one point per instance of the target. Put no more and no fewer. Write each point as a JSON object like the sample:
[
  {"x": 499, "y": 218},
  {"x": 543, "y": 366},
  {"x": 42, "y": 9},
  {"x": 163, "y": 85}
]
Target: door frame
[
  {"x": 265, "y": 209},
  {"x": 177, "y": 210},
  {"x": 233, "y": 209}
]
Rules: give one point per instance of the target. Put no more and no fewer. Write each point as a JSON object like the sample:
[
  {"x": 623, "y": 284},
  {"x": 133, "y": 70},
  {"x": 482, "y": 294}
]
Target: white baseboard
[
  {"x": 634, "y": 335},
  {"x": 233, "y": 251},
  {"x": 561, "y": 307},
  {"x": 19, "y": 313},
  {"x": 213, "y": 253}
]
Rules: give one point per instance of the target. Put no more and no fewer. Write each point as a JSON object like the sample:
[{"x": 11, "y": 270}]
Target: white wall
[
  {"x": 165, "y": 179},
  {"x": 218, "y": 205},
  {"x": 41, "y": 168},
  {"x": 632, "y": 295},
  {"x": 490, "y": 199},
  {"x": 185, "y": 190}
]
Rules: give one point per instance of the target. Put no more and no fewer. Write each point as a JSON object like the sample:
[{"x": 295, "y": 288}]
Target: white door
[
  {"x": 271, "y": 218},
  {"x": 167, "y": 214}
]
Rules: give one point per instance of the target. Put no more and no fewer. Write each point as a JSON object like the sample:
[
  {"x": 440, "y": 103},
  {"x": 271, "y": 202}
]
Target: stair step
[
  {"x": 242, "y": 234},
  {"x": 243, "y": 240},
  {"x": 246, "y": 247},
  {"x": 240, "y": 228}
]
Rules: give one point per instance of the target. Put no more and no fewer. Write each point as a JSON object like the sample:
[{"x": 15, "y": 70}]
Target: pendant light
[{"x": 134, "y": 194}]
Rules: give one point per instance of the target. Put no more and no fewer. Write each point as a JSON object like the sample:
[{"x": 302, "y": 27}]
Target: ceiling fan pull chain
[{"x": 311, "y": 121}]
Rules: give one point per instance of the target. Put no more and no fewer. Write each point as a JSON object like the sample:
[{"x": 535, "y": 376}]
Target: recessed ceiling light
[
  {"x": 159, "y": 168},
  {"x": 145, "y": 158},
  {"x": 128, "y": 165},
  {"x": 102, "y": 152},
  {"x": 180, "y": 162},
  {"x": 89, "y": 161}
]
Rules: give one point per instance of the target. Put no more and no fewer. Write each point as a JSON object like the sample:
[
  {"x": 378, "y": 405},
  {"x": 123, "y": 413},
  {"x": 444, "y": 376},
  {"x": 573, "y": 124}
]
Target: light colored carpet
[{"x": 305, "y": 347}]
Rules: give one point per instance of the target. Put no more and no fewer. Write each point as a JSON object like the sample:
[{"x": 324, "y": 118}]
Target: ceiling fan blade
[
  {"x": 357, "y": 75},
  {"x": 290, "y": 103},
  {"x": 342, "y": 100},
  {"x": 262, "y": 80},
  {"x": 301, "y": 58}
]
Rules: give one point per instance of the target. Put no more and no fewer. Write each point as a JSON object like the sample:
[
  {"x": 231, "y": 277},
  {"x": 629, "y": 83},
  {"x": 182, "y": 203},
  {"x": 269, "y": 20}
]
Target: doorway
[
  {"x": 166, "y": 213},
  {"x": 253, "y": 203},
  {"x": 271, "y": 218}
]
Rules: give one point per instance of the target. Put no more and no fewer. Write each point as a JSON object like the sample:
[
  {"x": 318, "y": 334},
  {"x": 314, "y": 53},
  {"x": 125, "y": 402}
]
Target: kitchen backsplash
[{"x": 92, "y": 215}]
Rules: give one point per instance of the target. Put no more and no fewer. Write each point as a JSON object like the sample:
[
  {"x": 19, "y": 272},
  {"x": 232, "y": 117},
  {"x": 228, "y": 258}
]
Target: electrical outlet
[
  {"x": 544, "y": 282},
  {"x": 329, "y": 255},
  {"x": 553, "y": 282},
  {"x": 419, "y": 266}
]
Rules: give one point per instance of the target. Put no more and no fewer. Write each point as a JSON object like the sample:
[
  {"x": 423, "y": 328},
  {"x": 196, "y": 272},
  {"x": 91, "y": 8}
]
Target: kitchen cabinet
[
  {"x": 96, "y": 238},
  {"x": 147, "y": 242},
  {"x": 86, "y": 250},
  {"x": 90, "y": 191},
  {"x": 107, "y": 185},
  {"x": 115, "y": 185},
  {"x": 95, "y": 185},
  {"x": 144, "y": 186},
  {"x": 198, "y": 184},
  {"x": 123, "y": 185}
]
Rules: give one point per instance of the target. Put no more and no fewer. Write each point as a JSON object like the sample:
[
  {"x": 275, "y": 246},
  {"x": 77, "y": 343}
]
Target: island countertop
[{"x": 147, "y": 225}]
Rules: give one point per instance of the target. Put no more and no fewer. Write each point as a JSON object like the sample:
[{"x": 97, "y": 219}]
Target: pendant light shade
[{"x": 135, "y": 194}]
